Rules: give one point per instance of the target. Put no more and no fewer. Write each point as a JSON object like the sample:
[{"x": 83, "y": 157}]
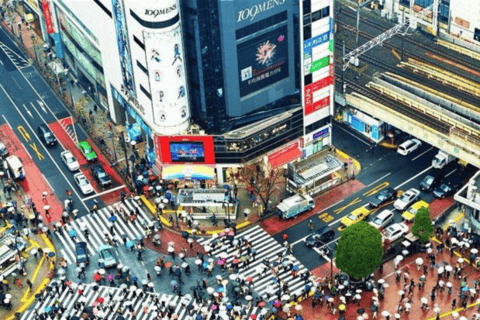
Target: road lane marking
[
  {"x": 24, "y": 133},
  {"x": 28, "y": 111},
  {"x": 47, "y": 152},
  {"x": 40, "y": 156},
  {"x": 376, "y": 189},
  {"x": 421, "y": 154},
  {"x": 353, "y": 202},
  {"x": 379, "y": 179},
  {"x": 368, "y": 144},
  {"x": 450, "y": 173},
  {"x": 414, "y": 177}
]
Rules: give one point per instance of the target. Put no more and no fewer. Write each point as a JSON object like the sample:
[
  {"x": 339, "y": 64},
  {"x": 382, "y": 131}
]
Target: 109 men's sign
[{"x": 252, "y": 12}]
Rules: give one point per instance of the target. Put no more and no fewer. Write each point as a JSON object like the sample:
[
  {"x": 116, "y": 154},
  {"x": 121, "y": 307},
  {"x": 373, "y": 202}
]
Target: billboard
[
  {"x": 123, "y": 46},
  {"x": 188, "y": 151},
  {"x": 184, "y": 149},
  {"x": 263, "y": 60}
]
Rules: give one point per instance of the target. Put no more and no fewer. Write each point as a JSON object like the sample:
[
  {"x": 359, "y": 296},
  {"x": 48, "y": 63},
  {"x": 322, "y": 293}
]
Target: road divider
[{"x": 353, "y": 202}]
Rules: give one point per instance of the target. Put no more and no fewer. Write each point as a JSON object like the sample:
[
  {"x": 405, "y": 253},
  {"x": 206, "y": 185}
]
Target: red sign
[
  {"x": 48, "y": 16},
  {"x": 284, "y": 155},
  {"x": 311, "y": 106},
  {"x": 163, "y": 147},
  {"x": 463, "y": 23}
]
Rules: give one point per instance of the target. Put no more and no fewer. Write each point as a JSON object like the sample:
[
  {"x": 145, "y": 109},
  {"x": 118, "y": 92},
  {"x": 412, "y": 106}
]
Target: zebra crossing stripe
[
  {"x": 114, "y": 296},
  {"x": 266, "y": 247}
]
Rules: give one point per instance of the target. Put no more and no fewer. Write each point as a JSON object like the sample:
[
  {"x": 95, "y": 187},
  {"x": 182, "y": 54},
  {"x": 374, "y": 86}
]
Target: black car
[
  {"x": 320, "y": 237},
  {"x": 102, "y": 177},
  {"x": 46, "y": 135},
  {"x": 82, "y": 253},
  {"x": 446, "y": 189},
  {"x": 431, "y": 180},
  {"x": 383, "y": 197}
]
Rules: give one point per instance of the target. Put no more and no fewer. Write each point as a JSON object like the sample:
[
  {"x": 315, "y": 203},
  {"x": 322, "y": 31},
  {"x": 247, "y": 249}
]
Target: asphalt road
[
  {"x": 27, "y": 101},
  {"x": 384, "y": 168}
]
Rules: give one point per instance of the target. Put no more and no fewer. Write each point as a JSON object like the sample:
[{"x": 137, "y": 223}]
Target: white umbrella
[
  {"x": 424, "y": 300},
  {"x": 466, "y": 244},
  {"x": 286, "y": 308},
  {"x": 472, "y": 290},
  {"x": 210, "y": 290},
  {"x": 190, "y": 240},
  {"x": 215, "y": 235},
  {"x": 381, "y": 281},
  {"x": 454, "y": 240},
  {"x": 463, "y": 318},
  {"x": 248, "y": 298},
  {"x": 436, "y": 309},
  {"x": 455, "y": 314},
  {"x": 474, "y": 251},
  {"x": 385, "y": 313},
  {"x": 358, "y": 297},
  {"x": 460, "y": 260},
  {"x": 340, "y": 287},
  {"x": 331, "y": 299},
  {"x": 298, "y": 307},
  {"x": 405, "y": 252},
  {"x": 429, "y": 250},
  {"x": 419, "y": 261},
  {"x": 448, "y": 268},
  {"x": 285, "y": 297},
  {"x": 232, "y": 276},
  {"x": 198, "y": 262},
  {"x": 208, "y": 248},
  {"x": 449, "y": 284},
  {"x": 359, "y": 291},
  {"x": 408, "y": 305},
  {"x": 400, "y": 292},
  {"x": 223, "y": 255},
  {"x": 440, "y": 270},
  {"x": 385, "y": 285},
  {"x": 399, "y": 257}
]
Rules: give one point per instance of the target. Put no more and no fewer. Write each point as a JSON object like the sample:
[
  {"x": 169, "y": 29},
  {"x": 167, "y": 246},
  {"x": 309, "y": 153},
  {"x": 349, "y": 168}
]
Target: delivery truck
[
  {"x": 442, "y": 159},
  {"x": 293, "y": 206}
]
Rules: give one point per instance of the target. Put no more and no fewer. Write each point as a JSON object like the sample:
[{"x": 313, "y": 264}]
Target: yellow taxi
[
  {"x": 409, "y": 214},
  {"x": 356, "y": 215}
]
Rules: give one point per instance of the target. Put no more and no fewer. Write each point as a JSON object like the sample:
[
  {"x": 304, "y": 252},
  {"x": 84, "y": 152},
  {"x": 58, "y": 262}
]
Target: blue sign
[
  {"x": 316, "y": 41},
  {"x": 123, "y": 46},
  {"x": 320, "y": 133},
  {"x": 58, "y": 45}
]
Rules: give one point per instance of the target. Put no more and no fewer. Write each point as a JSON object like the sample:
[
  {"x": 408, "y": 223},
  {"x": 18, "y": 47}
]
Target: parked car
[
  {"x": 406, "y": 199},
  {"x": 409, "y": 215},
  {"x": 3, "y": 150},
  {"x": 87, "y": 150},
  {"x": 101, "y": 176},
  {"x": 447, "y": 188},
  {"x": 46, "y": 135},
  {"x": 383, "y": 219},
  {"x": 383, "y": 197},
  {"x": 395, "y": 232},
  {"x": 431, "y": 180},
  {"x": 356, "y": 215},
  {"x": 70, "y": 161},
  {"x": 83, "y": 183},
  {"x": 108, "y": 259},
  {"x": 81, "y": 253},
  {"x": 320, "y": 237},
  {"x": 409, "y": 146}
]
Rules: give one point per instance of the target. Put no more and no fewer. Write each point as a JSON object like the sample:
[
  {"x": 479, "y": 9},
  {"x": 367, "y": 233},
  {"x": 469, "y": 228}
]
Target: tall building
[{"x": 212, "y": 84}]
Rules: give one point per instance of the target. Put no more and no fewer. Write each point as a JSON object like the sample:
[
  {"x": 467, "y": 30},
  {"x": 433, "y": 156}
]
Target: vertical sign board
[
  {"x": 48, "y": 16},
  {"x": 123, "y": 46},
  {"x": 308, "y": 45}
]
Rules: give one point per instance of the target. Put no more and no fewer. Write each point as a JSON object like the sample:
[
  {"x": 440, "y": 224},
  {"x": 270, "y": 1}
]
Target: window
[
  {"x": 307, "y": 6},
  {"x": 320, "y": 14}
]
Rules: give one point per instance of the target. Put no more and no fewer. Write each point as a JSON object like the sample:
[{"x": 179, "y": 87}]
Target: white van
[{"x": 15, "y": 166}]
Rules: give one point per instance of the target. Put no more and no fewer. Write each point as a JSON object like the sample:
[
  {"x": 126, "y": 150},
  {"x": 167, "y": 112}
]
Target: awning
[
  {"x": 285, "y": 155},
  {"x": 182, "y": 172}
]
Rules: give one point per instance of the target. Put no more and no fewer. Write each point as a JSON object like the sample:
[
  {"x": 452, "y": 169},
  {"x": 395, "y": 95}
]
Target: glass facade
[{"x": 233, "y": 88}]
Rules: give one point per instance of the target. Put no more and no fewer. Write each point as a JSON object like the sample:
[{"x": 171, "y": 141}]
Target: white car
[
  {"x": 406, "y": 199},
  {"x": 383, "y": 219},
  {"x": 70, "y": 161},
  {"x": 395, "y": 232},
  {"x": 409, "y": 146},
  {"x": 83, "y": 183}
]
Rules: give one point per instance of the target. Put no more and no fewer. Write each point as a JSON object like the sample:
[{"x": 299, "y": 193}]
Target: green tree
[
  {"x": 359, "y": 250},
  {"x": 422, "y": 227}
]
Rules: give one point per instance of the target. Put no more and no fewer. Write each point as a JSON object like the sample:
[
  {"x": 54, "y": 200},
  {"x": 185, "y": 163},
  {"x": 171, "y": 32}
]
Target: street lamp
[{"x": 123, "y": 143}]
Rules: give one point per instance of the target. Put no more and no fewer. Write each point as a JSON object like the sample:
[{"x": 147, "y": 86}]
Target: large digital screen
[
  {"x": 263, "y": 60},
  {"x": 187, "y": 151}
]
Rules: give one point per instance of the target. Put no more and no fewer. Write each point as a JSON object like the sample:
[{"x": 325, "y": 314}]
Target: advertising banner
[
  {"x": 263, "y": 60},
  {"x": 184, "y": 149},
  {"x": 308, "y": 45},
  {"x": 311, "y": 106},
  {"x": 48, "y": 16},
  {"x": 123, "y": 46},
  {"x": 319, "y": 64}
]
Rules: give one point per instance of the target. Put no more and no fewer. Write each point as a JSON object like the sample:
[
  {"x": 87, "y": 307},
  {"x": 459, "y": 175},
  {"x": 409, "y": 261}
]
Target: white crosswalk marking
[
  {"x": 97, "y": 225},
  {"x": 266, "y": 247},
  {"x": 114, "y": 297}
]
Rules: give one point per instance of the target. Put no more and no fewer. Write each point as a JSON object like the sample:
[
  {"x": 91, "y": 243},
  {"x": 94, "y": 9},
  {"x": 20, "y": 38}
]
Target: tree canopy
[
  {"x": 359, "y": 250},
  {"x": 422, "y": 227}
]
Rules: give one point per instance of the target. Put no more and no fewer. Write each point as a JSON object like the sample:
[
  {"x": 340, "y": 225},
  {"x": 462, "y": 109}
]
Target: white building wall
[{"x": 465, "y": 17}]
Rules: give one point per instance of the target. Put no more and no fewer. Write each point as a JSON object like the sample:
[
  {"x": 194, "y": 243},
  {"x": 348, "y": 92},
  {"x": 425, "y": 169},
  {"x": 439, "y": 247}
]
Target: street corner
[{"x": 348, "y": 159}]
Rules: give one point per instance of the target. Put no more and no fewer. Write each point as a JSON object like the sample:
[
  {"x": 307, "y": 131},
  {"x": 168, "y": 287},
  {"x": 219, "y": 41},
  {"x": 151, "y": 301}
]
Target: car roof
[
  {"x": 384, "y": 213},
  {"x": 98, "y": 166},
  {"x": 104, "y": 247},
  {"x": 84, "y": 143},
  {"x": 78, "y": 175},
  {"x": 81, "y": 244}
]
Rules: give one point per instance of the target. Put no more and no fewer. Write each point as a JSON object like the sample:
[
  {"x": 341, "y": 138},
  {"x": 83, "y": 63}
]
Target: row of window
[{"x": 308, "y": 19}]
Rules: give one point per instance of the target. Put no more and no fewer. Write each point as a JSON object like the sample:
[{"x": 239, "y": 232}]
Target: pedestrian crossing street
[
  {"x": 98, "y": 224},
  {"x": 142, "y": 304},
  {"x": 266, "y": 247}
]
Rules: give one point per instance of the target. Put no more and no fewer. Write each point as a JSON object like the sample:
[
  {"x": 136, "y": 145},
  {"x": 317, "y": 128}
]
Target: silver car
[
  {"x": 406, "y": 199},
  {"x": 83, "y": 183}
]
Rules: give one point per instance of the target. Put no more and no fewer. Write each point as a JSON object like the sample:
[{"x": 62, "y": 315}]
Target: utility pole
[
  {"x": 123, "y": 143},
  {"x": 344, "y": 85}
]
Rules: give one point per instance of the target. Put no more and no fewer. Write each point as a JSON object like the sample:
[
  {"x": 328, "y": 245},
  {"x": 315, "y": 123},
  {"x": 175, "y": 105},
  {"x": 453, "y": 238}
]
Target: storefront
[
  {"x": 316, "y": 141},
  {"x": 32, "y": 15},
  {"x": 370, "y": 127}
]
